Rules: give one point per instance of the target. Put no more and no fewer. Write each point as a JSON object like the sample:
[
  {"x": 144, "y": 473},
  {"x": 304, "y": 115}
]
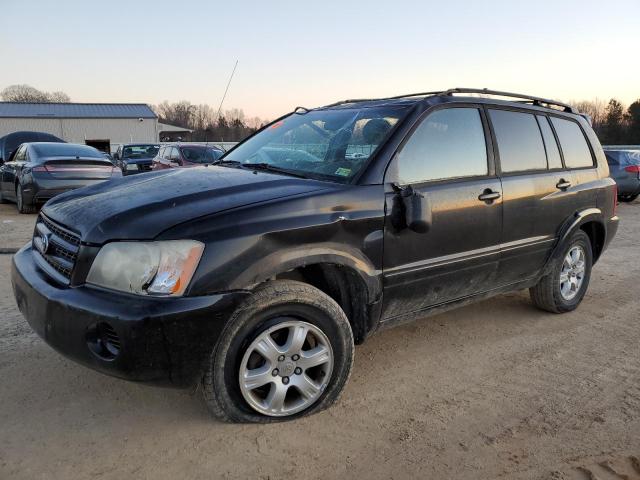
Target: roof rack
[{"x": 539, "y": 101}]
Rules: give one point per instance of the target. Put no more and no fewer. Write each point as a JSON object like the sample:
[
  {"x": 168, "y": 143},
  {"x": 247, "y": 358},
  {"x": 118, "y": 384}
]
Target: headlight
[{"x": 146, "y": 268}]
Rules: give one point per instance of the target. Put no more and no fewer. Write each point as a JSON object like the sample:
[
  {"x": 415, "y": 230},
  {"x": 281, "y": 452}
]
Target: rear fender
[{"x": 570, "y": 226}]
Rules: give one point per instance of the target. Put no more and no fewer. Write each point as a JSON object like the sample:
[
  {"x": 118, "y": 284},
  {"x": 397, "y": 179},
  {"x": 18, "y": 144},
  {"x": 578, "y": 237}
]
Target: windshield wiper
[
  {"x": 230, "y": 163},
  {"x": 272, "y": 168}
]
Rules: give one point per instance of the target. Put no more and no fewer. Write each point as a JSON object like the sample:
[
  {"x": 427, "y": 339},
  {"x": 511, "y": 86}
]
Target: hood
[{"x": 143, "y": 206}]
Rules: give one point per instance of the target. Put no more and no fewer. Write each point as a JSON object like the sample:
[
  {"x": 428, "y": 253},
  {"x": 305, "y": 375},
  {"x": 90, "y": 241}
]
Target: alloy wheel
[
  {"x": 572, "y": 272},
  {"x": 286, "y": 368}
]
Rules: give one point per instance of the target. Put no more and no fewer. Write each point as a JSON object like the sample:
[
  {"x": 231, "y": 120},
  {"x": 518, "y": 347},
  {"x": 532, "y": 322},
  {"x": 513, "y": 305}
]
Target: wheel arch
[
  {"x": 347, "y": 277},
  {"x": 589, "y": 220}
]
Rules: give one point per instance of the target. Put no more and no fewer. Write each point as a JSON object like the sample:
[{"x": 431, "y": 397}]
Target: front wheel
[
  {"x": 285, "y": 353},
  {"x": 564, "y": 287}
]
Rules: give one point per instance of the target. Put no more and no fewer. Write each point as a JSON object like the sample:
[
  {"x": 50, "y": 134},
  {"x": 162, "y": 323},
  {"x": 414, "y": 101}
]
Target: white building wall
[{"x": 77, "y": 130}]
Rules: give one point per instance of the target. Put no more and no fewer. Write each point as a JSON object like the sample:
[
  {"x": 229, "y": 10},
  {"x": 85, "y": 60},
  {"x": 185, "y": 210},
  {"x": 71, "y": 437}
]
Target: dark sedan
[
  {"x": 41, "y": 170},
  {"x": 624, "y": 168},
  {"x": 10, "y": 143},
  {"x": 136, "y": 157}
]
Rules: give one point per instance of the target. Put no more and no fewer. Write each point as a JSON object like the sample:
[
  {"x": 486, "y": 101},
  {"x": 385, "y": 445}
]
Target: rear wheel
[
  {"x": 23, "y": 207},
  {"x": 564, "y": 287},
  {"x": 628, "y": 198},
  {"x": 285, "y": 353}
]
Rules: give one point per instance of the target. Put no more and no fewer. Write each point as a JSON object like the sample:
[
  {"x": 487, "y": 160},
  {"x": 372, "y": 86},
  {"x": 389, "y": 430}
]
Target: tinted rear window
[
  {"x": 574, "y": 146},
  {"x": 65, "y": 150},
  {"x": 519, "y": 141}
]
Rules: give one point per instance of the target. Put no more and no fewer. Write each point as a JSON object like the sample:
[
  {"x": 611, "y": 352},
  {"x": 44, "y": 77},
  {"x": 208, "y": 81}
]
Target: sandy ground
[
  {"x": 15, "y": 229},
  {"x": 494, "y": 390}
]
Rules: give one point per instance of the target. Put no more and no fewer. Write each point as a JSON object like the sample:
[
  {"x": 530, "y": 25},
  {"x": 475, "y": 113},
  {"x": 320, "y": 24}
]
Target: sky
[{"x": 311, "y": 53}]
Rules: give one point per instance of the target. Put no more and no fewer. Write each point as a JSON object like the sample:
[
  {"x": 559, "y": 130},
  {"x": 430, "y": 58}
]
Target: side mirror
[{"x": 411, "y": 210}]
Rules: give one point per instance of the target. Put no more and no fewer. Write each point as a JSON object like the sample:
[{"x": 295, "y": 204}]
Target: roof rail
[
  {"x": 530, "y": 98},
  {"x": 539, "y": 101}
]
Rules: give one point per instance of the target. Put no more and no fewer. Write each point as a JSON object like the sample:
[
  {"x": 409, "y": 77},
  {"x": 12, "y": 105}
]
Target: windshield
[
  {"x": 140, "y": 151},
  {"x": 200, "y": 154},
  {"x": 324, "y": 144}
]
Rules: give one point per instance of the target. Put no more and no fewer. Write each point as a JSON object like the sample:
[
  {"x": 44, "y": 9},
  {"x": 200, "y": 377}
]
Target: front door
[{"x": 446, "y": 159}]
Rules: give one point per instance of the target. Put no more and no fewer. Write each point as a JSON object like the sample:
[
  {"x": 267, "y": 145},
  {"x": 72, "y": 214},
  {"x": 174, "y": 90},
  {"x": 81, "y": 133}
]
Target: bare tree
[
  {"x": 29, "y": 94},
  {"x": 58, "y": 97},
  {"x": 230, "y": 126}
]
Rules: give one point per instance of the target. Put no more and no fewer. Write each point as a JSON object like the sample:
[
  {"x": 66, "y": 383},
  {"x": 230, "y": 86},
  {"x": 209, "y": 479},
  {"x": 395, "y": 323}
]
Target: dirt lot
[{"x": 493, "y": 390}]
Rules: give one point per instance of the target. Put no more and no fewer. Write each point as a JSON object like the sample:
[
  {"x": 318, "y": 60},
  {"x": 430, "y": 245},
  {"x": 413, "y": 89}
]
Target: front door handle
[
  {"x": 563, "y": 184},
  {"x": 488, "y": 195}
]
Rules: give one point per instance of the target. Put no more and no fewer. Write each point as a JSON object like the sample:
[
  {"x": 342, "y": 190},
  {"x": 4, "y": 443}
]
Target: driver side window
[{"x": 448, "y": 143}]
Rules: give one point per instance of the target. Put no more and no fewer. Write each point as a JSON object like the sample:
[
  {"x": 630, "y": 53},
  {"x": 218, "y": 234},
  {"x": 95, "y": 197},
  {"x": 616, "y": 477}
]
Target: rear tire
[
  {"x": 564, "y": 287},
  {"x": 278, "y": 306},
  {"x": 628, "y": 198},
  {"x": 22, "y": 206}
]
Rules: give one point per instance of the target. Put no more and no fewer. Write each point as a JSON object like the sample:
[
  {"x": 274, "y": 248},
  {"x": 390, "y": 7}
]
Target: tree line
[
  {"x": 206, "y": 123},
  {"x": 614, "y": 123}
]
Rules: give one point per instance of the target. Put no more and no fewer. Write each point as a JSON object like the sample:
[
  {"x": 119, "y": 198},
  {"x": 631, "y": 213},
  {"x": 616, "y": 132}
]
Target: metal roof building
[{"x": 102, "y": 125}]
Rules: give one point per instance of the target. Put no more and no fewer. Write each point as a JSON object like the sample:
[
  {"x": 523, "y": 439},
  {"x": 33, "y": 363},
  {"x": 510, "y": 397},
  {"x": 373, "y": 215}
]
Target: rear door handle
[
  {"x": 488, "y": 195},
  {"x": 563, "y": 184}
]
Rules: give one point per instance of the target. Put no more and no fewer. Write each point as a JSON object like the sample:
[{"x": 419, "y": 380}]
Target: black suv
[{"x": 258, "y": 275}]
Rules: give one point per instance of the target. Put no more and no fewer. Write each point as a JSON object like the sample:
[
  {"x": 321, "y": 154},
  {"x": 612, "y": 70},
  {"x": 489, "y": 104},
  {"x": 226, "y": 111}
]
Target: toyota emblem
[{"x": 44, "y": 243}]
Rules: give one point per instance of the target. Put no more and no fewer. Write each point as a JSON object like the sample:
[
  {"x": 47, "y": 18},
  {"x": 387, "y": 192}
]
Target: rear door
[
  {"x": 539, "y": 193},
  {"x": 578, "y": 157},
  {"x": 446, "y": 159}
]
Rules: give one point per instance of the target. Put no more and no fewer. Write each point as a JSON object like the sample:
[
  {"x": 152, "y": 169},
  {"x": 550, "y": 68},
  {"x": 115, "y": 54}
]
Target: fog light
[{"x": 103, "y": 341}]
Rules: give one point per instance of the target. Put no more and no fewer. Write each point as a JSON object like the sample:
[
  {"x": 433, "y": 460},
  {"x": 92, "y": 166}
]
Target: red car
[{"x": 175, "y": 156}]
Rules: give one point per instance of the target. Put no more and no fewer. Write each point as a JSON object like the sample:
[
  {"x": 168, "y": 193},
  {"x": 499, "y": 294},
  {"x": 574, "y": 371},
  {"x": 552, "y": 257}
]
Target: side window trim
[
  {"x": 544, "y": 144},
  {"x": 488, "y": 140},
  {"x": 555, "y": 135},
  {"x": 556, "y": 139}
]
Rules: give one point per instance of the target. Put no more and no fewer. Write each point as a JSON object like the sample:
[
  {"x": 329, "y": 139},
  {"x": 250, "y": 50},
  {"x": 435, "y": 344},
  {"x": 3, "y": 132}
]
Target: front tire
[
  {"x": 286, "y": 352},
  {"x": 564, "y": 287},
  {"x": 23, "y": 207}
]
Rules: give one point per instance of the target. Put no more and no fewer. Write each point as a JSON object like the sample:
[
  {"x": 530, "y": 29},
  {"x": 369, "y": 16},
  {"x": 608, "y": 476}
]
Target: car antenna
[{"x": 226, "y": 90}]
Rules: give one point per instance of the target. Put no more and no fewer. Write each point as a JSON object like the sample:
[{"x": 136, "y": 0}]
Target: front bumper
[
  {"x": 164, "y": 341},
  {"x": 131, "y": 168}
]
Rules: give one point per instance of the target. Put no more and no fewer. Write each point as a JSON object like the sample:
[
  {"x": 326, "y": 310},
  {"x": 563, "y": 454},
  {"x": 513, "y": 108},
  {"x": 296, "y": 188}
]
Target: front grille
[
  {"x": 57, "y": 247},
  {"x": 144, "y": 167}
]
